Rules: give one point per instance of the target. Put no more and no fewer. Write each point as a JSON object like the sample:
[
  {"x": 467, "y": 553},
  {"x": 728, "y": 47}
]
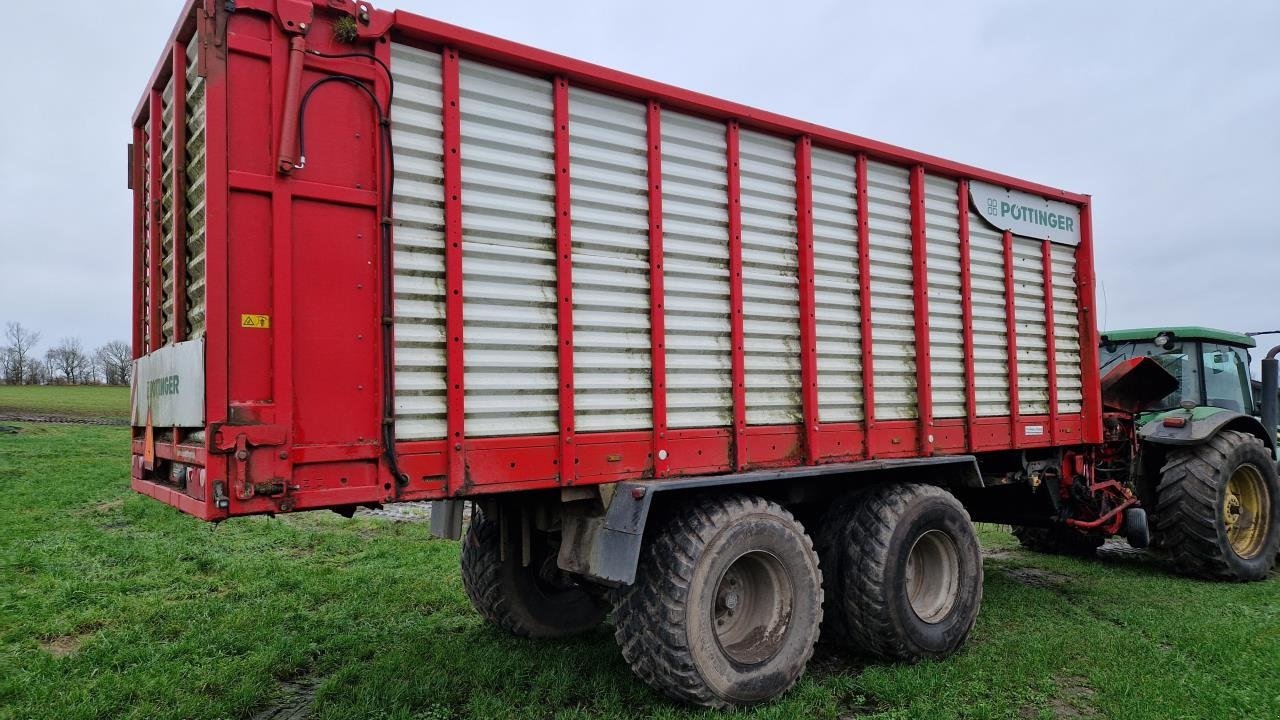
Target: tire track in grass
[{"x": 295, "y": 700}]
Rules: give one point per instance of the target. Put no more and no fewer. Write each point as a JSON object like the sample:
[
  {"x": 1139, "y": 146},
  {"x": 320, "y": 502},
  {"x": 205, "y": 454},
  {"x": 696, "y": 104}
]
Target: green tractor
[{"x": 1181, "y": 418}]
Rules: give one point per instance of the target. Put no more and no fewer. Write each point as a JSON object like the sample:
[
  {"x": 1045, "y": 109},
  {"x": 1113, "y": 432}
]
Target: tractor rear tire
[
  {"x": 1058, "y": 540},
  {"x": 911, "y": 574},
  {"x": 534, "y": 601},
  {"x": 1217, "y": 512},
  {"x": 726, "y": 604}
]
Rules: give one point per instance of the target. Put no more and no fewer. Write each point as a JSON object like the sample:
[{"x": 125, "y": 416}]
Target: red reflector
[{"x": 1175, "y": 422}]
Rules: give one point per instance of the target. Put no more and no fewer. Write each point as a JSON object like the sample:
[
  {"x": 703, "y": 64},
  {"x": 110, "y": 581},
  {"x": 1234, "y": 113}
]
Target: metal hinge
[{"x": 226, "y": 437}]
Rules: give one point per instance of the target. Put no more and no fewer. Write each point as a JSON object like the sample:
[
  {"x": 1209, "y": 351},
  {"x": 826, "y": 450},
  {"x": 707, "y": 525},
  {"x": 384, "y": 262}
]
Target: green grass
[
  {"x": 114, "y": 605},
  {"x": 88, "y": 401}
]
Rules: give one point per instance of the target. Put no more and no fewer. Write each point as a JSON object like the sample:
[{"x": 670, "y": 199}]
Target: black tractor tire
[
  {"x": 911, "y": 576},
  {"x": 1192, "y": 505},
  {"x": 534, "y": 601},
  {"x": 830, "y": 540},
  {"x": 726, "y": 605},
  {"x": 1058, "y": 540}
]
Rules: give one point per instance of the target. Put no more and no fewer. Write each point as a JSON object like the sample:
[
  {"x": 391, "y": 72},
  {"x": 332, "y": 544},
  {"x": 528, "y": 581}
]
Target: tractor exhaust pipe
[{"x": 1270, "y": 381}]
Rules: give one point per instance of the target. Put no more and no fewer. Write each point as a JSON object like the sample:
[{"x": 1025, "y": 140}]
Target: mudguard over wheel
[
  {"x": 1058, "y": 541},
  {"x": 1218, "y": 508},
  {"x": 726, "y": 605},
  {"x": 910, "y": 579},
  {"x": 535, "y": 600}
]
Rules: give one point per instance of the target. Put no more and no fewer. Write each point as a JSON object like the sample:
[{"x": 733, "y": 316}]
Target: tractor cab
[{"x": 1211, "y": 367}]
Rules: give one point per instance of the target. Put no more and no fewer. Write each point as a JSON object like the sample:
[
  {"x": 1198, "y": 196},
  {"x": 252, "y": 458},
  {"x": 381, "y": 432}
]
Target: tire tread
[
  {"x": 866, "y": 536},
  {"x": 483, "y": 581},
  {"x": 649, "y": 616},
  {"x": 1186, "y": 517}
]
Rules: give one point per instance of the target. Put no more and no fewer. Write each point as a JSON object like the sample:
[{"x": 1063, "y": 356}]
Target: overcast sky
[{"x": 1167, "y": 113}]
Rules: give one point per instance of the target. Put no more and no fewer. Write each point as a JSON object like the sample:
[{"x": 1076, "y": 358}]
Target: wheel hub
[
  {"x": 933, "y": 576},
  {"x": 1246, "y": 511},
  {"x": 752, "y": 611}
]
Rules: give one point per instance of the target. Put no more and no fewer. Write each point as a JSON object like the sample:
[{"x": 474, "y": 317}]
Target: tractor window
[
  {"x": 1226, "y": 378},
  {"x": 1180, "y": 359}
]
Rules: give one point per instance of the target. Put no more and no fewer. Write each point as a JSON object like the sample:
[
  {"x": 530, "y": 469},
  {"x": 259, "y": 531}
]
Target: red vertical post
[
  {"x": 179, "y": 183},
  {"x": 1091, "y": 388},
  {"x": 217, "y": 192},
  {"x": 564, "y": 279},
  {"x": 864, "y": 302},
  {"x": 657, "y": 315},
  {"x": 281, "y": 246},
  {"x": 1051, "y": 349},
  {"x": 385, "y": 286},
  {"x": 808, "y": 315},
  {"x": 920, "y": 309},
  {"x": 1011, "y": 332},
  {"x": 154, "y": 209},
  {"x": 139, "y": 239},
  {"x": 966, "y": 314},
  {"x": 455, "y": 413},
  {"x": 739, "y": 367}
]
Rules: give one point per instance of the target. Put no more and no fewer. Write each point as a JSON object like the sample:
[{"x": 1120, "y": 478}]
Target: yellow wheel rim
[{"x": 1246, "y": 510}]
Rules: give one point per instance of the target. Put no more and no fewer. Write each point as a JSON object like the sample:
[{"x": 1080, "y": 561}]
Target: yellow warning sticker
[{"x": 255, "y": 321}]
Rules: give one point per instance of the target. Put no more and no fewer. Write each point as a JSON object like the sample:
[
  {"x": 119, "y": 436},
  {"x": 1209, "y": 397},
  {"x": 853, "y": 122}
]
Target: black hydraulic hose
[
  {"x": 391, "y": 82},
  {"x": 306, "y": 98}
]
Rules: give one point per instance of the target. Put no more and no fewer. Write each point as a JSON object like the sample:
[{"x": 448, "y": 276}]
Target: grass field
[
  {"x": 87, "y": 401},
  {"x": 113, "y": 605}
]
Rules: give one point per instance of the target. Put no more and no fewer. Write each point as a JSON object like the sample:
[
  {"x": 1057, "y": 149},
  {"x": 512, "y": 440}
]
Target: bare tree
[
  {"x": 36, "y": 373},
  {"x": 92, "y": 371},
  {"x": 115, "y": 360},
  {"x": 67, "y": 360},
  {"x": 17, "y": 352}
]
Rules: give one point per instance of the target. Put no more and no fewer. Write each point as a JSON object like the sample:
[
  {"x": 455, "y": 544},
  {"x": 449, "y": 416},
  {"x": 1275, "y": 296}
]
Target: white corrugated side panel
[
  {"x": 892, "y": 305},
  {"x": 1066, "y": 328},
  {"x": 195, "y": 193},
  {"x": 610, "y": 211},
  {"x": 836, "y": 286},
  {"x": 418, "y": 209},
  {"x": 508, "y": 252},
  {"x": 695, "y": 227},
  {"x": 770, "y": 282},
  {"x": 990, "y": 347},
  {"x": 946, "y": 316},
  {"x": 1033, "y": 346},
  {"x": 166, "y": 213}
]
